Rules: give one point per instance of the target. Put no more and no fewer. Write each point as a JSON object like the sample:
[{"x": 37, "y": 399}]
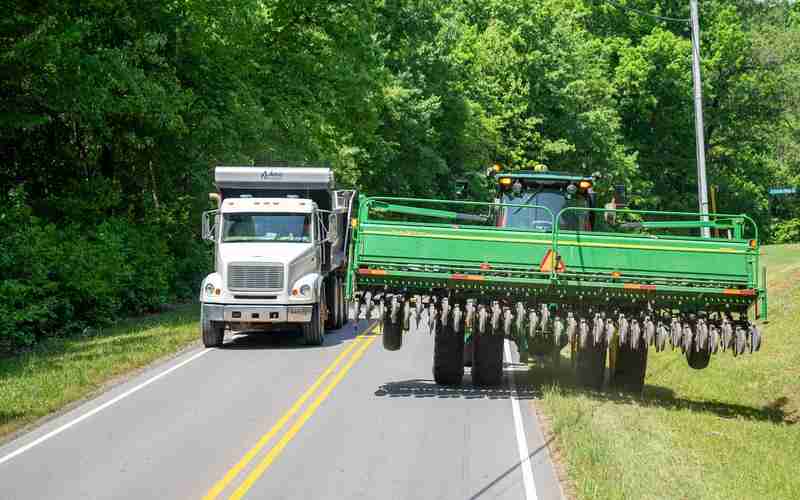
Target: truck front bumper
[{"x": 234, "y": 313}]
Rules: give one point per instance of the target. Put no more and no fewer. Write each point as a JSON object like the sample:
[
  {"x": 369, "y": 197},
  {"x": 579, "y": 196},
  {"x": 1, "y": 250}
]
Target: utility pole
[{"x": 702, "y": 188}]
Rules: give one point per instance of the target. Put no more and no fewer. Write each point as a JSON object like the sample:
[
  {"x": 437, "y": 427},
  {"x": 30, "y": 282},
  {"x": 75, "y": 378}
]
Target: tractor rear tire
[
  {"x": 392, "y": 335},
  {"x": 314, "y": 331},
  {"x": 469, "y": 350},
  {"x": 630, "y": 369},
  {"x": 448, "y": 356},
  {"x": 590, "y": 365},
  {"x": 213, "y": 332},
  {"x": 487, "y": 363}
]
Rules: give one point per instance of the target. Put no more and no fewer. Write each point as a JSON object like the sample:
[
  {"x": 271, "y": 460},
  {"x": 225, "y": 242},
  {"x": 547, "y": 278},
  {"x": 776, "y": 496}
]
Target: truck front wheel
[
  {"x": 314, "y": 331},
  {"x": 212, "y": 331}
]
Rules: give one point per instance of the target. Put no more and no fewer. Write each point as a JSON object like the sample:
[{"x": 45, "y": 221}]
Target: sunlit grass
[
  {"x": 59, "y": 371},
  {"x": 729, "y": 431}
]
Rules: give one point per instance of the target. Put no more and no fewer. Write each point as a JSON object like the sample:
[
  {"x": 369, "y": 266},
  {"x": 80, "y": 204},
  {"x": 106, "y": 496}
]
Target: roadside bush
[
  {"x": 57, "y": 280},
  {"x": 787, "y": 231}
]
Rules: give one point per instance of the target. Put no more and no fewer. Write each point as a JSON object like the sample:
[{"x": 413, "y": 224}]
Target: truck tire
[
  {"x": 448, "y": 356},
  {"x": 487, "y": 361},
  {"x": 213, "y": 332},
  {"x": 392, "y": 335},
  {"x": 343, "y": 309},
  {"x": 332, "y": 300},
  {"x": 590, "y": 365},
  {"x": 630, "y": 368},
  {"x": 314, "y": 331}
]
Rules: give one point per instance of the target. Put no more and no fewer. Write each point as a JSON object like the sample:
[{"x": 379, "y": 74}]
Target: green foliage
[
  {"x": 59, "y": 279},
  {"x": 787, "y": 231},
  {"x": 112, "y": 115}
]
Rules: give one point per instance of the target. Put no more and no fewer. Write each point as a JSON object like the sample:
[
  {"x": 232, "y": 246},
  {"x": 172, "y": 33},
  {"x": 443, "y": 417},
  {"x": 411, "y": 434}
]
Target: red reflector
[
  {"x": 636, "y": 286},
  {"x": 736, "y": 291},
  {"x": 466, "y": 277},
  {"x": 378, "y": 272}
]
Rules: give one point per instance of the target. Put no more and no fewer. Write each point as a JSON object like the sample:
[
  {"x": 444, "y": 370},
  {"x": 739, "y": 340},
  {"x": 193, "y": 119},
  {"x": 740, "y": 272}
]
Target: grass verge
[
  {"x": 60, "y": 371},
  {"x": 725, "y": 432}
]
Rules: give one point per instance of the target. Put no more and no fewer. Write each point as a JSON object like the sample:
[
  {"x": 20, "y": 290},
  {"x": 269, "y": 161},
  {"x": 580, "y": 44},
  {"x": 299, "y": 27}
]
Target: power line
[{"x": 643, "y": 13}]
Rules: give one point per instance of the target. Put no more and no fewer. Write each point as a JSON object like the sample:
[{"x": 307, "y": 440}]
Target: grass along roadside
[
  {"x": 60, "y": 371},
  {"x": 728, "y": 431}
]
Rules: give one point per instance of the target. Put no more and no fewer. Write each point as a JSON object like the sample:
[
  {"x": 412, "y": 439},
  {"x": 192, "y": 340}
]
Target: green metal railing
[{"x": 739, "y": 225}]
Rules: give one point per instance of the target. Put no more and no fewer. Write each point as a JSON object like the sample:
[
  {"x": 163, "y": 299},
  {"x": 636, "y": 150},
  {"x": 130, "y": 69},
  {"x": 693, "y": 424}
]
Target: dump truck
[
  {"x": 544, "y": 265},
  {"x": 280, "y": 238}
]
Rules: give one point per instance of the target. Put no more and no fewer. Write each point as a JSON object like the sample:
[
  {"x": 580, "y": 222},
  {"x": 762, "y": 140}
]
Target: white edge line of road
[
  {"x": 522, "y": 442},
  {"x": 100, "y": 408}
]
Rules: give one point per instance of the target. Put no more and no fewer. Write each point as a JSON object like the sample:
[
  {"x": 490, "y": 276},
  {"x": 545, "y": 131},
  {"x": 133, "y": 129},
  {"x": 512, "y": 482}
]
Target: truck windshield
[
  {"x": 266, "y": 227},
  {"x": 539, "y": 219}
]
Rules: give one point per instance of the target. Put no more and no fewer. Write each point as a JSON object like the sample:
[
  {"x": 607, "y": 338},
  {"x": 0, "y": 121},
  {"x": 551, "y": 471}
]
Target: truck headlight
[
  {"x": 305, "y": 290},
  {"x": 209, "y": 289}
]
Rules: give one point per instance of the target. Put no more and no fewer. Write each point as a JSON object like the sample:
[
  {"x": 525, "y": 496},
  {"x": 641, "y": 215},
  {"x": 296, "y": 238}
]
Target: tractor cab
[{"x": 532, "y": 200}]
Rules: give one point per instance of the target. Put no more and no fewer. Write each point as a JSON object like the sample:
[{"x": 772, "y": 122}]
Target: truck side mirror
[
  {"x": 333, "y": 227},
  {"x": 210, "y": 225},
  {"x": 620, "y": 196}
]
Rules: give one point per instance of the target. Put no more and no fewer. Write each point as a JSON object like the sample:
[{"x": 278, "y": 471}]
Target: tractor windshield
[{"x": 539, "y": 219}]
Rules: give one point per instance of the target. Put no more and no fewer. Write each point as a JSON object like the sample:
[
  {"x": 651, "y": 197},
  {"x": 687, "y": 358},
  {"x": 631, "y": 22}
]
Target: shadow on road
[
  {"x": 290, "y": 338},
  {"x": 423, "y": 388},
  {"x": 533, "y": 383}
]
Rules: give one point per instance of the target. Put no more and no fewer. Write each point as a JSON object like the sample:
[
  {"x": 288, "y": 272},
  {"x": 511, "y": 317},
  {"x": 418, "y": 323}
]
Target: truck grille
[{"x": 258, "y": 277}]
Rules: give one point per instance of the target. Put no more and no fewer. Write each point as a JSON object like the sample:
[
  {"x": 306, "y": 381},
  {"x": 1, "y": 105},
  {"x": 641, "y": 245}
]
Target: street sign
[{"x": 782, "y": 190}]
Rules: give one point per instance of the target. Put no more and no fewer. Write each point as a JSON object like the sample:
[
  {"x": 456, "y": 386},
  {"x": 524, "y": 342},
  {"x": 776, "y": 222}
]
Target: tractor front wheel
[
  {"x": 448, "y": 356},
  {"x": 392, "y": 335},
  {"x": 487, "y": 362}
]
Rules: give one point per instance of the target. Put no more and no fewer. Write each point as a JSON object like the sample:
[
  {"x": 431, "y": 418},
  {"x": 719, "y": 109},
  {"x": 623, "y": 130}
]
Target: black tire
[
  {"x": 698, "y": 359},
  {"x": 392, "y": 335},
  {"x": 314, "y": 331},
  {"x": 332, "y": 299},
  {"x": 469, "y": 350},
  {"x": 344, "y": 308},
  {"x": 590, "y": 365},
  {"x": 448, "y": 356},
  {"x": 487, "y": 362},
  {"x": 555, "y": 356},
  {"x": 630, "y": 369},
  {"x": 212, "y": 332}
]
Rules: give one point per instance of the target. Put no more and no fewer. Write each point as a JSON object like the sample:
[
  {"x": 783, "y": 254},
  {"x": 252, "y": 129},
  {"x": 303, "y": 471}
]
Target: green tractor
[{"x": 545, "y": 267}]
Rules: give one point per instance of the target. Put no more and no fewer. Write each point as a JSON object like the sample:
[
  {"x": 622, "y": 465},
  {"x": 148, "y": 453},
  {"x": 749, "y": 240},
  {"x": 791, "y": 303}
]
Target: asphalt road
[{"x": 266, "y": 417}]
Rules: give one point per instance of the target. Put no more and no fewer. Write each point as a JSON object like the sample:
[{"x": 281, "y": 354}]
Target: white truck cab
[{"x": 279, "y": 251}]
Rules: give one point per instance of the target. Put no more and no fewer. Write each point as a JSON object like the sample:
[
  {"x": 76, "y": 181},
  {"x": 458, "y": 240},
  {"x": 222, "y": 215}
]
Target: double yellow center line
[{"x": 358, "y": 347}]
